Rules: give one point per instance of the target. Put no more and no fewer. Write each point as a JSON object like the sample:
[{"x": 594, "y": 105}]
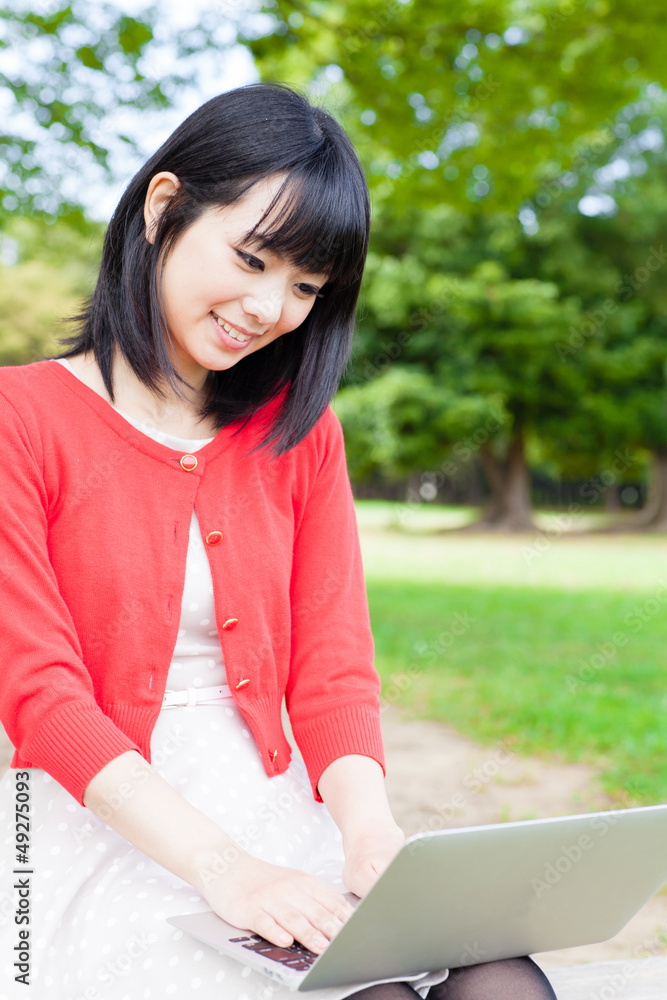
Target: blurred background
[{"x": 505, "y": 408}]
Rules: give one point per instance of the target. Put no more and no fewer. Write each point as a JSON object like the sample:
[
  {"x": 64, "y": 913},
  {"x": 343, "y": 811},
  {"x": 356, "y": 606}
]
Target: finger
[
  {"x": 320, "y": 917},
  {"x": 296, "y": 924},
  {"x": 267, "y": 927},
  {"x": 302, "y": 910},
  {"x": 335, "y": 902},
  {"x": 305, "y": 887}
]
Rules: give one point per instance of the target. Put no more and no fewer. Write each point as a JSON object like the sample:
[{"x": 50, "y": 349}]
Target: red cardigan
[{"x": 93, "y": 543}]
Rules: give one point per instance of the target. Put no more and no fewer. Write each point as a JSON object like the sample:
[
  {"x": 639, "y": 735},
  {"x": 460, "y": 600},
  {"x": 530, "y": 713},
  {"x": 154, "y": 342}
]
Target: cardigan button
[
  {"x": 189, "y": 463},
  {"x": 242, "y": 684},
  {"x": 214, "y": 537},
  {"x": 230, "y": 624},
  {"x": 273, "y": 756}
]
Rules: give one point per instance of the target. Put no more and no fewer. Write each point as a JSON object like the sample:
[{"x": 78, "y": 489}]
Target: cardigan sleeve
[
  {"x": 331, "y": 643},
  {"x": 47, "y": 701}
]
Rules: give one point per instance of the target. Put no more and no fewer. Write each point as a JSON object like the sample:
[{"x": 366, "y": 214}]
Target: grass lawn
[{"x": 560, "y": 646}]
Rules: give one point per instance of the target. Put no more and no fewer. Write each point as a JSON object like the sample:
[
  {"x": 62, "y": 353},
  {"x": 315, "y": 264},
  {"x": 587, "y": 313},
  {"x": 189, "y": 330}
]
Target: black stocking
[
  {"x": 386, "y": 991},
  {"x": 510, "y": 979}
]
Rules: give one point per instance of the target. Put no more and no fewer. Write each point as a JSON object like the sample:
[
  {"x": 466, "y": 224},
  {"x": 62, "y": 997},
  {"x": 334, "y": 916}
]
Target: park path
[{"x": 437, "y": 778}]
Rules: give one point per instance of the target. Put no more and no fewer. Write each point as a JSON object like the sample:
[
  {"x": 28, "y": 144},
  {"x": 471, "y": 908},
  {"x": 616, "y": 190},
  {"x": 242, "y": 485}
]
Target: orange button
[
  {"x": 214, "y": 537},
  {"x": 189, "y": 463},
  {"x": 242, "y": 684},
  {"x": 230, "y": 623},
  {"x": 273, "y": 756}
]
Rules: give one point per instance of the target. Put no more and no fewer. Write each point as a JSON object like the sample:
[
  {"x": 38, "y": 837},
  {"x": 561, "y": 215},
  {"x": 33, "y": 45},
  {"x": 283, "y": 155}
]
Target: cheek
[
  {"x": 191, "y": 297},
  {"x": 176, "y": 281},
  {"x": 294, "y": 315},
  {"x": 193, "y": 283}
]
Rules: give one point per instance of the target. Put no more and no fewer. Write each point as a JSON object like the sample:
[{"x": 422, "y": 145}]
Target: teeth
[{"x": 233, "y": 333}]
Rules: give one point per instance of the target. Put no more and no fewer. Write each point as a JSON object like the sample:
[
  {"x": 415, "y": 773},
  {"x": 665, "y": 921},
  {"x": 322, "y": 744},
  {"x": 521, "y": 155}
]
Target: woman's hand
[
  {"x": 281, "y": 904},
  {"x": 353, "y": 789},
  {"x": 368, "y": 853}
]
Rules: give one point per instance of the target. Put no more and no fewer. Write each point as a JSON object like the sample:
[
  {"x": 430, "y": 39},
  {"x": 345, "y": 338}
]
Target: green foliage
[
  {"x": 467, "y": 116},
  {"x": 54, "y": 271},
  {"x": 473, "y": 327},
  {"x": 468, "y": 103},
  {"x": 481, "y": 342},
  {"x": 564, "y": 328},
  {"x": 81, "y": 77},
  {"x": 399, "y": 422},
  {"x": 619, "y": 344}
]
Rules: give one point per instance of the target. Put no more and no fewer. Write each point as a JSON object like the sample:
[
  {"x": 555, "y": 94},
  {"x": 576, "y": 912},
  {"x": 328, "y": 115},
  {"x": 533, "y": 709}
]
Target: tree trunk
[
  {"x": 412, "y": 494},
  {"x": 508, "y": 508},
  {"x": 612, "y": 500},
  {"x": 654, "y": 515}
]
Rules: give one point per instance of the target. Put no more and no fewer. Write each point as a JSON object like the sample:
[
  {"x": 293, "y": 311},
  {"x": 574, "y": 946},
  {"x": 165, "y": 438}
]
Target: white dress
[{"x": 98, "y": 927}]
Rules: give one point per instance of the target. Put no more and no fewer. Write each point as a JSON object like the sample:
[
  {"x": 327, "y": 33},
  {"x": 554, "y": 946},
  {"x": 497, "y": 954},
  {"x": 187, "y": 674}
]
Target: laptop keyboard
[{"x": 295, "y": 957}]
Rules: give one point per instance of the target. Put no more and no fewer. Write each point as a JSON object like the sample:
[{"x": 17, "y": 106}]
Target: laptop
[{"x": 474, "y": 894}]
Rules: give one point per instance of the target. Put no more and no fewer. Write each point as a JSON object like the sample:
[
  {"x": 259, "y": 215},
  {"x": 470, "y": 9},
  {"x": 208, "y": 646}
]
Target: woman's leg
[
  {"x": 386, "y": 991},
  {"x": 509, "y": 979}
]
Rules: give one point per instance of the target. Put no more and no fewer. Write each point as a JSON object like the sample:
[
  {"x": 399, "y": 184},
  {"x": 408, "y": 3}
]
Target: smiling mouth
[{"x": 231, "y": 331}]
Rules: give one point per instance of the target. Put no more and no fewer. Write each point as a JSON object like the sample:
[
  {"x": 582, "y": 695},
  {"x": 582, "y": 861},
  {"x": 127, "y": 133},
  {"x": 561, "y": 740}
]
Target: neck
[{"x": 171, "y": 413}]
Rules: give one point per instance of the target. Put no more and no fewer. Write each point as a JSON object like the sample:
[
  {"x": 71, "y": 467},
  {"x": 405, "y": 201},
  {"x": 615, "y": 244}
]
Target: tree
[
  {"x": 561, "y": 329},
  {"x": 480, "y": 107},
  {"x": 45, "y": 272},
  {"x": 72, "y": 78},
  {"x": 484, "y": 344},
  {"x": 471, "y": 104},
  {"x": 616, "y": 267}
]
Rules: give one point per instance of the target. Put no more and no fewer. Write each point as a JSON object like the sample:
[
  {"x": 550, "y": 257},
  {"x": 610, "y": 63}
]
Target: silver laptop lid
[{"x": 477, "y": 894}]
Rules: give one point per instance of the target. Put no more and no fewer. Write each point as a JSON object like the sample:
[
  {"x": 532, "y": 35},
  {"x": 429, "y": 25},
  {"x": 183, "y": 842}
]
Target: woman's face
[{"x": 223, "y": 300}]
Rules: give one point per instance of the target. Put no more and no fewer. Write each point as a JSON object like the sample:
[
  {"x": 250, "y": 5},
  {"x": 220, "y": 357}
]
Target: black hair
[{"x": 322, "y": 226}]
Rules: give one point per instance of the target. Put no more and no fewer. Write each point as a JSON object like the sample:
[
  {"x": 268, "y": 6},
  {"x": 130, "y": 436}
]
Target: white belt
[{"x": 197, "y": 696}]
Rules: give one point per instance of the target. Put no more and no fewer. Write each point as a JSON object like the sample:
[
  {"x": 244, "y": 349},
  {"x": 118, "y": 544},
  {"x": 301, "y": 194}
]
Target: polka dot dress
[{"x": 99, "y": 906}]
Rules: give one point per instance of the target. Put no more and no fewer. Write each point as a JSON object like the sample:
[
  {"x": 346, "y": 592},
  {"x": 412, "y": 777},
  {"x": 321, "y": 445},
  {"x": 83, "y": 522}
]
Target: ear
[{"x": 162, "y": 187}]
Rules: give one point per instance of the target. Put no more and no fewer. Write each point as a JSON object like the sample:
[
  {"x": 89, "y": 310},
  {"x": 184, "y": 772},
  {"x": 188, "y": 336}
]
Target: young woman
[{"x": 179, "y": 551}]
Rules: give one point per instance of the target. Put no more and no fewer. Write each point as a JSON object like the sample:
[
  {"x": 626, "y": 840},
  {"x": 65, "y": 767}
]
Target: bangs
[{"x": 318, "y": 220}]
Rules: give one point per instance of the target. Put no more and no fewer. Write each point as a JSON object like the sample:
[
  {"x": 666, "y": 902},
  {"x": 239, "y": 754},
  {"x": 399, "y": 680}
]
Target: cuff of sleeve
[
  {"x": 74, "y": 744},
  {"x": 350, "y": 729}
]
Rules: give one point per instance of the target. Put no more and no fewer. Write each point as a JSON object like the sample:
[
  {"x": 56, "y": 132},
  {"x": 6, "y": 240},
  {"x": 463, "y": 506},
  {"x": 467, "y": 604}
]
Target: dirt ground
[{"x": 437, "y": 779}]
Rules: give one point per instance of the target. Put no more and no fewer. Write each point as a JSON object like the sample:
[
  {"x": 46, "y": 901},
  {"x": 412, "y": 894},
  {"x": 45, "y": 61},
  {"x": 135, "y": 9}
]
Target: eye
[
  {"x": 254, "y": 262},
  {"x": 310, "y": 290}
]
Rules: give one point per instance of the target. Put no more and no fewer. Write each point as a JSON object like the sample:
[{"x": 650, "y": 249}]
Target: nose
[{"x": 266, "y": 306}]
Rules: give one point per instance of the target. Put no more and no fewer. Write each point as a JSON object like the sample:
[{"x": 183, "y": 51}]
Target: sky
[
  {"x": 77, "y": 176},
  {"x": 80, "y": 179},
  {"x": 214, "y": 76}
]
